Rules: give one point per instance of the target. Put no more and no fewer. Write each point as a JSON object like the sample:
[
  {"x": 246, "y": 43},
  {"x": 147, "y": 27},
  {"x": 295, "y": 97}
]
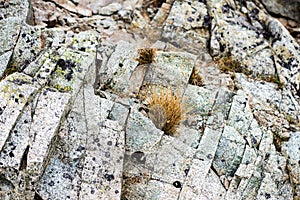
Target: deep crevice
[{"x": 23, "y": 164}]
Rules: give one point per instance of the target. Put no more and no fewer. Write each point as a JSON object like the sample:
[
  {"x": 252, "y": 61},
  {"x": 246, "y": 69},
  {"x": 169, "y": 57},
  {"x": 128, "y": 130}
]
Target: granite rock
[{"x": 75, "y": 124}]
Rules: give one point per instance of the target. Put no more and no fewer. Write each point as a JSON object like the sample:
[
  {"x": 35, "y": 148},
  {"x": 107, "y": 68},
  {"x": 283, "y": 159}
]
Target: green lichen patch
[
  {"x": 86, "y": 41},
  {"x": 70, "y": 70}
]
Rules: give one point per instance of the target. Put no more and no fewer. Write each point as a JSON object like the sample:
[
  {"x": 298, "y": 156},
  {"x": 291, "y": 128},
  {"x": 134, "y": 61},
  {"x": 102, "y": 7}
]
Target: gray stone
[
  {"x": 199, "y": 100},
  {"x": 44, "y": 128},
  {"x": 291, "y": 151},
  {"x": 241, "y": 117},
  {"x": 28, "y": 47},
  {"x": 268, "y": 188},
  {"x": 65, "y": 125},
  {"x": 171, "y": 160},
  {"x": 35, "y": 66},
  {"x": 15, "y": 91},
  {"x": 230, "y": 152},
  {"x": 141, "y": 133},
  {"x": 119, "y": 113},
  {"x": 110, "y": 9},
  {"x": 16, "y": 8},
  {"x": 58, "y": 180},
  {"x": 171, "y": 70},
  {"x": 116, "y": 73},
  {"x": 103, "y": 163},
  {"x": 9, "y": 31},
  {"x": 244, "y": 186},
  {"x": 189, "y": 136},
  {"x": 15, "y": 148},
  {"x": 187, "y": 19},
  {"x": 86, "y": 41},
  {"x": 4, "y": 59},
  {"x": 70, "y": 70},
  {"x": 200, "y": 166},
  {"x": 289, "y": 9},
  {"x": 73, "y": 132},
  {"x": 214, "y": 189},
  {"x": 288, "y": 56},
  {"x": 160, "y": 190}
]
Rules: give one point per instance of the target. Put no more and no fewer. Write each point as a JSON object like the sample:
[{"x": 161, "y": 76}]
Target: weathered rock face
[
  {"x": 289, "y": 9},
  {"x": 74, "y": 121}
]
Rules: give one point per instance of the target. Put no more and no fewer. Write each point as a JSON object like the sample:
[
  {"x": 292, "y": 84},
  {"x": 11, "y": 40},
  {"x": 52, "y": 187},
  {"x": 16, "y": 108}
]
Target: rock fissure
[{"x": 70, "y": 117}]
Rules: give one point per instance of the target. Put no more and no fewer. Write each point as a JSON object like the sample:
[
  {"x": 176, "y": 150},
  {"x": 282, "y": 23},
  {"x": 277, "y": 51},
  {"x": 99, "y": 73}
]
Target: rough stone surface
[
  {"x": 15, "y": 91},
  {"x": 289, "y": 9},
  {"x": 10, "y": 29},
  {"x": 44, "y": 128},
  {"x": 74, "y": 115},
  {"x": 4, "y": 59}
]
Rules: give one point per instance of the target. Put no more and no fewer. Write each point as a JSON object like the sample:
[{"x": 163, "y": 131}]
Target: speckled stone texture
[{"x": 75, "y": 120}]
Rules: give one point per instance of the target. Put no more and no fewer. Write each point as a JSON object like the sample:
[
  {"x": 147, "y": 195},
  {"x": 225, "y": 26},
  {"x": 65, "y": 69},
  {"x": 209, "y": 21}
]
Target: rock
[
  {"x": 141, "y": 139},
  {"x": 9, "y": 32},
  {"x": 15, "y": 91},
  {"x": 44, "y": 128},
  {"x": 117, "y": 72},
  {"x": 160, "y": 190},
  {"x": 58, "y": 180},
  {"x": 28, "y": 47},
  {"x": 171, "y": 160},
  {"x": 75, "y": 124},
  {"x": 189, "y": 136},
  {"x": 230, "y": 152},
  {"x": 4, "y": 59},
  {"x": 102, "y": 167},
  {"x": 70, "y": 70},
  {"x": 291, "y": 151},
  {"x": 16, "y": 8},
  {"x": 189, "y": 19},
  {"x": 196, "y": 96},
  {"x": 170, "y": 70},
  {"x": 86, "y": 41},
  {"x": 71, "y": 7},
  {"x": 16, "y": 147},
  {"x": 110, "y": 9},
  {"x": 283, "y": 8}
]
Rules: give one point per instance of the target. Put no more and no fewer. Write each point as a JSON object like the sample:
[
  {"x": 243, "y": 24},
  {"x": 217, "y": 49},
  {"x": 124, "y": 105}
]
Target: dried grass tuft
[
  {"x": 146, "y": 55},
  {"x": 196, "y": 78},
  {"x": 166, "y": 110}
]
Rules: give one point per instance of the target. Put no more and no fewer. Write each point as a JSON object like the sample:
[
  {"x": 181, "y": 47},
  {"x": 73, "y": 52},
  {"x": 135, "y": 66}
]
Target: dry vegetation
[
  {"x": 196, "y": 78},
  {"x": 228, "y": 64},
  {"x": 146, "y": 56},
  {"x": 166, "y": 110}
]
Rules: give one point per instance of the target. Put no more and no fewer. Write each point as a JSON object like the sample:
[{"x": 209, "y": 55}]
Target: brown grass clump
[
  {"x": 146, "y": 56},
  {"x": 228, "y": 64},
  {"x": 196, "y": 78},
  {"x": 9, "y": 70},
  {"x": 166, "y": 110}
]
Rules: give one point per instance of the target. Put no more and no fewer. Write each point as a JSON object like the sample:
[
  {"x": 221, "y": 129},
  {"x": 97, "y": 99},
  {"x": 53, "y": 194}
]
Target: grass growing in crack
[
  {"x": 154, "y": 3},
  {"x": 196, "y": 78},
  {"x": 9, "y": 70},
  {"x": 228, "y": 64},
  {"x": 166, "y": 110},
  {"x": 146, "y": 56}
]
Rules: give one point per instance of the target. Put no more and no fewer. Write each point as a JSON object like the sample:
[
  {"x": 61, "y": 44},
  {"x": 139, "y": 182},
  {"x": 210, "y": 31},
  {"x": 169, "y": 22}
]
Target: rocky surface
[{"x": 74, "y": 123}]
